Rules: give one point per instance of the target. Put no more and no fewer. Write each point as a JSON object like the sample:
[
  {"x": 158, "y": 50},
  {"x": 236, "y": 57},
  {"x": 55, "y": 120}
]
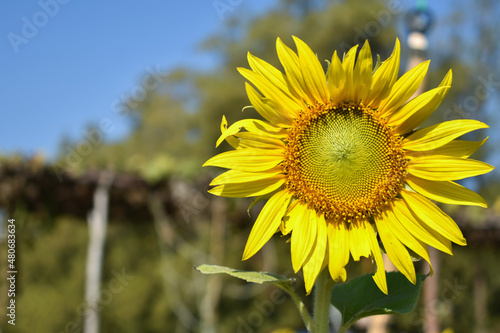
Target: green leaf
[
  {"x": 281, "y": 282},
  {"x": 362, "y": 298},
  {"x": 249, "y": 276}
]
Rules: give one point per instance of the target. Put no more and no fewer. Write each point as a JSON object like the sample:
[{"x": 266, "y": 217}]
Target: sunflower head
[
  {"x": 348, "y": 141},
  {"x": 341, "y": 164}
]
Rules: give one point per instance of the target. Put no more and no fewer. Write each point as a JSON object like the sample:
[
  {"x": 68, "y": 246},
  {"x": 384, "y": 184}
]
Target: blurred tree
[
  {"x": 175, "y": 122},
  {"x": 174, "y": 126}
]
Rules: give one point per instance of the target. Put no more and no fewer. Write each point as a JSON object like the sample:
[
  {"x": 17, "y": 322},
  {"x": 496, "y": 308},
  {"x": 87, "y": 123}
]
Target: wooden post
[
  {"x": 211, "y": 298},
  {"x": 431, "y": 290},
  {"x": 480, "y": 299},
  {"x": 380, "y": 323},
  {"x": 97, "y": 221}
]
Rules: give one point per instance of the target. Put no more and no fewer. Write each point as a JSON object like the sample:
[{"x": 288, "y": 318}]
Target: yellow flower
[{"x": 339, "y": 162}]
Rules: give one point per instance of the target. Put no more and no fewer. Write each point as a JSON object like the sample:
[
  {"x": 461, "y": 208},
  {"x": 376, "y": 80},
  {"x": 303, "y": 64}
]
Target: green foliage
[
  {"x": 361, "y": 297},
  {"x": 174, "y": 127}
]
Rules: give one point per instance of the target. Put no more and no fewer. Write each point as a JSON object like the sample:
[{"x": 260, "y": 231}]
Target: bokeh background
[{"x": 117, "y": 104}]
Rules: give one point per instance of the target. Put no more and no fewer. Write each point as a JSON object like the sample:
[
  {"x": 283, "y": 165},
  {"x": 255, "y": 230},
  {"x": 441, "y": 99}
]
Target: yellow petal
[
  {"x": 413, "y": 113},
  {"x": 223, "y": 124},
  {"x": 248, "y": 189},
  {"x": 294, "y": 77},
  {"x": 253, "y": 140},
  {"x": 397, "y": 252},
  {"x": 403, "y": 89},
  {"x": 336, "y": 79},
  {"x": 293, "y": 216},
  {"x": 254, "y": 125},
  {"x": 267, "y": 223},
  {"x": 363, "y": 72},
  {"x": 440, "y": 134},
  {"x": 348, "y": 65},
  {"x": 314, "y": 263},
  {"x": 379, "y": 277},
  {"x": 434, "y": 217},
  {"x": 455, "y": 148},
  {"x": 303, "y": 237},
  {"x": 266, "y": 129},
  {"x": 396, "y": 226},
  {"x": 250, "y": 160},
  {"x": 384, "y": 78},
  {"x": 269, "y": 90},
  {"x": 267, "y": 108},
  {"x": 237, "y": 176},
  {"x": 313, "y": 73},
  {"x": 442, "y": 168},
  {"x": 338, "y": 241},
  {"x": 363, "y": 243},
  {"x": 358, "y": 244},
  {"x": 234, "y": 142},
  {"x": 416, "y": 227},
  {"x": 446, "y": 192},
  {"x": 268, "y": 71}
]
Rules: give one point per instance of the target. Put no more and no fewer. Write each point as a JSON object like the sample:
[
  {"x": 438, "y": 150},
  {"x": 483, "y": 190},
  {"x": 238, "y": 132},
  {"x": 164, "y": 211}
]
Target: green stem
[
  {"x": 322, "y": 290},
  {"x": 300, "y": 306},
  {"x": 343, "y": 329}
]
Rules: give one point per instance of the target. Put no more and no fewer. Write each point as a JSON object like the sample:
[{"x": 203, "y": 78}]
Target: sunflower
[{"x": 340, "y": 164}]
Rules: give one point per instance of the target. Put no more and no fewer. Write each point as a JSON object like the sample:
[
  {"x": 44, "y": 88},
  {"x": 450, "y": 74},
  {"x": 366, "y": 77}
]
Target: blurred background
[{"x": 109, "y": 109}]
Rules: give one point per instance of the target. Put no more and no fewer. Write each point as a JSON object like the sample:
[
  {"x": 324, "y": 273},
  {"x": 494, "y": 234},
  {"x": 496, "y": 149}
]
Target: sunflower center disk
[{"x": 344, "y": 161}]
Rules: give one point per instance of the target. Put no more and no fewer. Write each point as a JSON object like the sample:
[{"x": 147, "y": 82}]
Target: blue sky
[{"x": 66, "y": 63}]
